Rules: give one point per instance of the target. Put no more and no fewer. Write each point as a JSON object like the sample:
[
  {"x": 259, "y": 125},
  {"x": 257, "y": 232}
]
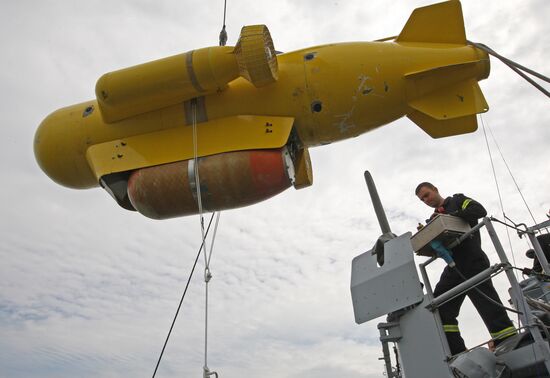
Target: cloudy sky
[{"x": 89, "y": 290}]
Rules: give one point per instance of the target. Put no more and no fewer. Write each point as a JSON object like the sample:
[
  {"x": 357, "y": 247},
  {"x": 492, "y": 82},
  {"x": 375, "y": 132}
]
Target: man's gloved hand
[{"x": 442, "y": 252}]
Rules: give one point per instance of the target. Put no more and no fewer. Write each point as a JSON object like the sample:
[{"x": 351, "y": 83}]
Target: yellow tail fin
[
  {"x": 458, "y": 100},
  {"x": 443, "y": 128},
  {"x": 437, "y": 23},
  {"x": 445, "y": 100}
]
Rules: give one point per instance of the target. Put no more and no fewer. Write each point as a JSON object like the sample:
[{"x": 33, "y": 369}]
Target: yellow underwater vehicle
[{"x": 244, "y": 117}]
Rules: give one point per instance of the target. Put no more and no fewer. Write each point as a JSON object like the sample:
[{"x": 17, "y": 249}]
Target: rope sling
[{"x": 193, "y": 168}]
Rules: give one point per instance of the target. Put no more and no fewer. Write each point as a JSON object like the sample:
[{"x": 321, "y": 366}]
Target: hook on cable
[
  {"x": 516, "y": 67},
  {"x": 223, "y": 36},
  {"x": 223, "y": 33},
  {"x": 207, "y": 275}
]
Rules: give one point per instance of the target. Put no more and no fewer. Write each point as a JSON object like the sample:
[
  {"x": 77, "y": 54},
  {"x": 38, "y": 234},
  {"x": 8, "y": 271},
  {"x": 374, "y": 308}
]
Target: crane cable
[
  {"x": 207, "y": 272},
  {"x": 507, "y": 168},
  {"x": 516, "y": 67},
  {"x": 202, "y": 248},
  {"x": 223, "y": 32},
  {"x": 498, "y": 187},
  {"x": 520, "y": 70},
  {"x": 514, "y": 180},
  {"x": 512, "y": 176},
  {"x": 181, "y": 300}
]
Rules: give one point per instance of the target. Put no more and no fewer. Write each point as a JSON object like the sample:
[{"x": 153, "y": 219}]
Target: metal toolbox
[{"x": 445, "y": 228}]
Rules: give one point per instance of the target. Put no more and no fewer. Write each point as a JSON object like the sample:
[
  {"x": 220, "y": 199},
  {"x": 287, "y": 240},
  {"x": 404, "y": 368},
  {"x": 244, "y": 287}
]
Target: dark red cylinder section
[{"x": 227, "y": 181}]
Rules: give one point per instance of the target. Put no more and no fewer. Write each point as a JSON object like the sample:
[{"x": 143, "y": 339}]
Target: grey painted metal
[
  {"x": 536, "y": 245},
  {"x": 390, "y": 332},
  {"x": 540, "y": 348},
  {"x": 466, "y": 285},
  {"x": 425, "y": 279},
  {"x": 538, "y": 226},
  {"x": 379, "y": 290},
  {"x": 479, "y": 362},
  {"x": 423, "y": 348},
  {"x": 535, "y": 288},
  {"x": 382, "y": 328},
  {"x": 428, "y": 299},
  {"x": 394, "y": 288},
  {"x": 515, "y": 288},
  {"x": 466, "y": 235},
  {"x": 524, "y": 362},
  {"x": 378, "y": 208},
  {"x": 539, "y": 253}
]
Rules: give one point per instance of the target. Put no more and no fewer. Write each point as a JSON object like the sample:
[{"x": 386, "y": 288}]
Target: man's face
[{"x": 430, "y": 197}]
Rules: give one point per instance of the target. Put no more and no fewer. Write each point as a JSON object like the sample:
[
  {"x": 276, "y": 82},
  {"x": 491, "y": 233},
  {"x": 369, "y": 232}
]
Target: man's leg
[
  {"x": 494, "y": 316},
  {"x": 449, "y": 311}
]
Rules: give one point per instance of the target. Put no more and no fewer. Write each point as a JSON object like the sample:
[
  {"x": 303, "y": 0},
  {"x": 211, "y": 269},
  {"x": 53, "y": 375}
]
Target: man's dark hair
[{"x": 424, "y": 184}]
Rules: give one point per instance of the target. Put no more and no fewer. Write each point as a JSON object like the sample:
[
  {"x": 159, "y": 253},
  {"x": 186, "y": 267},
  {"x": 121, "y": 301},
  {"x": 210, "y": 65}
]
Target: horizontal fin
[
  {"x": 437, "y": 23},
  {"x": 443, "y": 128},
  {"x": 234, "y": 133},
  {"x": 454, "y": 101},
  {"x": 420, "y": 83}
]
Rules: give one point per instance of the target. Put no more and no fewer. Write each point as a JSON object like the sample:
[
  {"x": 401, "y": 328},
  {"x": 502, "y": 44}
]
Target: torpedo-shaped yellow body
[{"x": 252, "y": 114}]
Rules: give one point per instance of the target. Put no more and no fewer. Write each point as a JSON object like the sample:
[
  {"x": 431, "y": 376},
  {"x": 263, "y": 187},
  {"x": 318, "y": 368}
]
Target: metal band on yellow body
[{"x": 191, "y": 72}]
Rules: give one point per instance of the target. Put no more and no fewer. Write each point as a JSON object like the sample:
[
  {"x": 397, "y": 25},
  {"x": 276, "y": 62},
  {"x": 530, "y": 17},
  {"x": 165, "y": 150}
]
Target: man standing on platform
[{"x": 470, "y": 260}]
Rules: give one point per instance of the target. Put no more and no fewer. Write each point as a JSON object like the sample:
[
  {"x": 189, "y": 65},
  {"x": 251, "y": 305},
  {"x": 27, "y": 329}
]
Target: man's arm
[{"x": 468, "y": 209}]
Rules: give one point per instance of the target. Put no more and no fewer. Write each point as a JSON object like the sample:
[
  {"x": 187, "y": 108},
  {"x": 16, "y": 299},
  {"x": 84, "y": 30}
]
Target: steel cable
[
  {"x": 181, "y": 300},
  {"x": 516, "y": 67}
]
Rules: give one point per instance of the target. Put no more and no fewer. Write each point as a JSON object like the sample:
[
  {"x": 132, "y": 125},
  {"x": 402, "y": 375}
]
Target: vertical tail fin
[{"x": 437, "y": 23}]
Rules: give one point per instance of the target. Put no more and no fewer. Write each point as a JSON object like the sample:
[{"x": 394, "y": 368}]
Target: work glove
[{"x": 442, "y": 252}]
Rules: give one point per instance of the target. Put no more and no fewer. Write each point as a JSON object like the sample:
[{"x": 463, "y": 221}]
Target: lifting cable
[
  {"x": 520, "y": 70},
  {"x": 207, "y": 257},
  {"x": 181, "y": 300},
  {"x": 193, "y": 165},
  {"x": 516, "y": 67},
  {"x": 207, "y": 273},
  {"x": 498, "y": 188},
  {"x": 223, "y": 33},
  {"x": 507, "y": 168},
  {"x": 511, "y": 175}
]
